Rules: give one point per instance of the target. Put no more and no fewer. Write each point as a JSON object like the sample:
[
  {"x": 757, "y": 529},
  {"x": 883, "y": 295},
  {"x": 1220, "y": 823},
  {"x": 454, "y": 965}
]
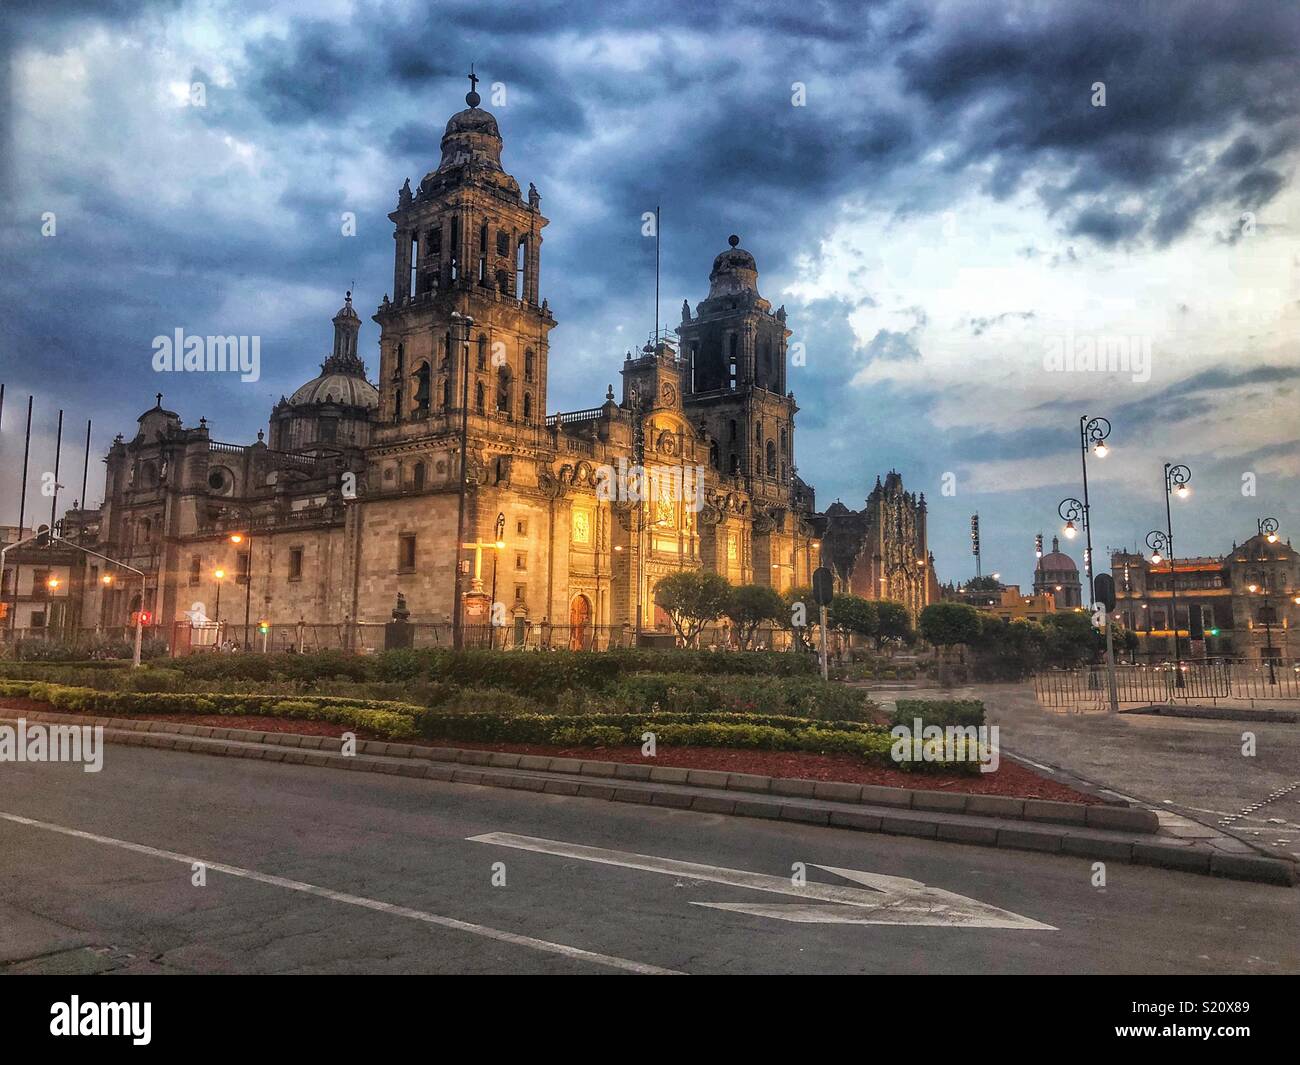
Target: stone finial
[{"x": 404, "y": 196}]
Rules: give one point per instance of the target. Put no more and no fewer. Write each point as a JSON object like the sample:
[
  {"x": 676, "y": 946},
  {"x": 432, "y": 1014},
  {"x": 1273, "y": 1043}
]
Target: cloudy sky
[{"x": 945, "y": 196}]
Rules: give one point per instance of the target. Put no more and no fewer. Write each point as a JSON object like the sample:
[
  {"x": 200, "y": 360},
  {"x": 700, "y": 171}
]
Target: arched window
[
  {"x": 503, "y": 390},
  {"x": 528, "y": 365},
  {"x": 401, "y": 361},
  {"x": 771, "y": 459},
  {"x": 418, "y": 478},
  {"x": 713, "y": 455},
  {"x": 731, "y": 425},
  {"x": 482, "y": 351},
  {"x": 479, "y": 401},
  {"x": 528, "y": 408},
  {"x": 423, "y": 396},
  {"x": 446, "y": 348},
  {"x": 785, "y": 442},
  {"x": 503, "y": 282},
  {"x": 758, "y": 434},
  {"x": 446, "y": 393}
]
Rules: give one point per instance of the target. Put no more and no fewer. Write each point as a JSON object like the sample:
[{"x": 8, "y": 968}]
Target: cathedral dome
[
  {"x": 734, "y": 272},
  {"x": 1057, "y": 561},
  {"x": 348, "y": 389},
  {"x": 472, "y": 120}
]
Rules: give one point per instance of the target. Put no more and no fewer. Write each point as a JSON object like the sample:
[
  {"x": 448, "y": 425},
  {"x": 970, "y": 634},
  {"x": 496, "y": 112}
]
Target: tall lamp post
[
  {"x": 1092, "y": 433},
  {"x": 499, "y": 533},
  {"x": 1176, "y": 478},
  {"x": 457, "y": 615},
  {"x": 220, "y": 576},
  {"x": 246, "y": 539},
  {"x": 1266, "y": 615}
]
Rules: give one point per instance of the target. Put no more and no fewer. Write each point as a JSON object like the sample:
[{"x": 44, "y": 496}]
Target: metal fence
[{"x": 1211, "y": 681}]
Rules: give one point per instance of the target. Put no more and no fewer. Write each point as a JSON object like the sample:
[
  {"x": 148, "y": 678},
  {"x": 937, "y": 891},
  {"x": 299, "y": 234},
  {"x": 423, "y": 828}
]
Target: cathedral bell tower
[
  {"x": 733, "y": 381},
  {"x": 468, "y": 246}
]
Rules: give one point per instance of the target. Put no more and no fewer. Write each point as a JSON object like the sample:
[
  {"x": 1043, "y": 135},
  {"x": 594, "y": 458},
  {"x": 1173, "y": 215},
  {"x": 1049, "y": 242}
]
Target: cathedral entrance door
[{"x": 580, "y": 623}]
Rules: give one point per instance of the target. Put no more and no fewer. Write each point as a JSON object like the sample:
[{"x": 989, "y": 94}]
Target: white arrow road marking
[
  {"x": 892, "y": 900},
  {"x": 355, "y": 900}
]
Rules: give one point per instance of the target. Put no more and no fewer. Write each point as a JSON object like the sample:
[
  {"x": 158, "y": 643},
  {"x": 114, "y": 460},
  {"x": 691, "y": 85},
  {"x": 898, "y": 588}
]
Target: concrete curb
[{"x": 1037, "y": 825}]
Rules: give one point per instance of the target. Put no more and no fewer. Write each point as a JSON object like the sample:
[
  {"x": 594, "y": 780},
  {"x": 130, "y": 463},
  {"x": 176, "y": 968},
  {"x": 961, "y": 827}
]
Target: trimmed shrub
[{"x": 942, "y": 712}]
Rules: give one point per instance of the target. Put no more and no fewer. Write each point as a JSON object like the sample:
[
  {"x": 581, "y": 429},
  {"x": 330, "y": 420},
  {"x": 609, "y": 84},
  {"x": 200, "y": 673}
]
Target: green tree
[
  {"x": 949, "y": 624},
  {"x": 895, "y": 621},
  {"x": 1071, "y": 639},
  {"x": 749, "y": 605},
  {"x": 853, "y": 614},
  {"x": 692, "y": 599}
]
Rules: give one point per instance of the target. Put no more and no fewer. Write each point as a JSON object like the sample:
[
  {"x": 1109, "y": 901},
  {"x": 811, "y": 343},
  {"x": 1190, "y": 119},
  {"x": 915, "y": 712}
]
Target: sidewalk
[
  {"x": 1192, "y": 769},
  {"x": 1116, "y": 832}
]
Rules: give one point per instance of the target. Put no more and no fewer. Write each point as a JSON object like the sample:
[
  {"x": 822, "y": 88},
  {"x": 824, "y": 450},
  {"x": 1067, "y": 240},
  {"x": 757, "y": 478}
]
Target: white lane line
[{"x": 357, "y": 900}]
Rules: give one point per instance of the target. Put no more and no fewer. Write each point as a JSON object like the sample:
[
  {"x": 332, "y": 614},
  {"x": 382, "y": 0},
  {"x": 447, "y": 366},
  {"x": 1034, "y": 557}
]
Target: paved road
[
  {"x": 339, "y": 872},
  {"x": 1190, "y": 766}
]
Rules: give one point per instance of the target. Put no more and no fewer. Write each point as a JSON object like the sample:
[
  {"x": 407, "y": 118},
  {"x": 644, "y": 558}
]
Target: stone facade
[
  {"x": 882, "y": 551},
  {"x": 356, "y": 496}
]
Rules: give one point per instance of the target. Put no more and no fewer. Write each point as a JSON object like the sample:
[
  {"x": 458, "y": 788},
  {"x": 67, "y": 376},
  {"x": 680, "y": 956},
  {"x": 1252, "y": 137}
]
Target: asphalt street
[{"x": 312, "y": 870}]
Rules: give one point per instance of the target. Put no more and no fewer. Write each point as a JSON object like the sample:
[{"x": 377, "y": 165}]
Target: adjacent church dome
[{"x": 336, "y": 386}]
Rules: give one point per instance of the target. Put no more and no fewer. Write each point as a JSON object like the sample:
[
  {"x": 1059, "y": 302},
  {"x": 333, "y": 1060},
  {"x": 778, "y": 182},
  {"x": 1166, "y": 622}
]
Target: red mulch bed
[{"x": 1011, "y": 778}]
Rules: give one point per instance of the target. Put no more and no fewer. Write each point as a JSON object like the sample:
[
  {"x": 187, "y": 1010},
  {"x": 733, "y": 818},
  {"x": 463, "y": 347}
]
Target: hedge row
[
  {"x": 395, "y": 720},
  {"x": 472, "y": 723},
  {"x": 807, "y": 697},
  {"x": 541, "y": 674},
  {"x": 942, "y": 712}
]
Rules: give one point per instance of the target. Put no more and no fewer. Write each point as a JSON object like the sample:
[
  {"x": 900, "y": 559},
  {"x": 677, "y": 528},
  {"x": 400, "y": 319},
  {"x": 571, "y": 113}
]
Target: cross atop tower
[{"x": 472, "y": 97}]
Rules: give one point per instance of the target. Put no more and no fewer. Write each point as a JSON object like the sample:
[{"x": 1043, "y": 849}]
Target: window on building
[
  {"x": 521, "y": 560},
  {"x": 40, "y": 585},
  {"x": 503, "y": 282},
  {"x": 480, "y": 401},
  {"x": 528, "y": 408},
  {"x": 406, "y": 553},
  {"x": 38, "y": 619},
  {"x": 482, "y": 351},
  {"x": 435, "y": 241},
  {"x": 521, "y": 526},
  {"x": 503, "y": 390},
  {"x": 519, "y": 593},
  {"x": 419, "y": 476},
  {"x": 528, "y": 365},
  {"x": 503, "y": 243},
  {"x": 295, "y": 563},
  {"x": 735, "y": 465},
  {"x": 482, "y": 238},
  {"x": 196, "y": 569},
  {"x": 241, "y": 568},
  {"x": 423, "y": 396},
  {"x": 771, "y": 459}
]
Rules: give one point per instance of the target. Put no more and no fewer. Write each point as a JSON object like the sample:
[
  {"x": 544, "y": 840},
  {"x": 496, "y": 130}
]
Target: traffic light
[
  {"x": 263, "y": 626},
  {"x": 141, "y": 617}
]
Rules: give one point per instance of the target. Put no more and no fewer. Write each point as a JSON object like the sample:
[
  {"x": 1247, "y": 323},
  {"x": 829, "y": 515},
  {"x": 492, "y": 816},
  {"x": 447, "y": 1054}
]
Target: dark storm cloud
[
  {"x": 1019, "y": 83},
  {"x": 615, "y": 107}
]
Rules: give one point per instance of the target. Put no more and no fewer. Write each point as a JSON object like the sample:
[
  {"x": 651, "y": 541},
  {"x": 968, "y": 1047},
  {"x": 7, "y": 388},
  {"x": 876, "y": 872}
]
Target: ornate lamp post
[
  {"x": 1162, "y": 543},
  {"x": 457, "y": 615},
  {"x": 1092, "y": 432},
  {"x": 1266, "y": 615},
  {"x": 220, "y": 576}
]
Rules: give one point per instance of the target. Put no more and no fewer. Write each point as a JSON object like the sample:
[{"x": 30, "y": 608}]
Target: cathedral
[{"x": 357, "y": 497}]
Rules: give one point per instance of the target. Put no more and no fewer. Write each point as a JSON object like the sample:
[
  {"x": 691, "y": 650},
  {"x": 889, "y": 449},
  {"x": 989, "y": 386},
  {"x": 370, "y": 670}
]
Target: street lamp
[
  {"x": 1266, "y": 615},
  {"x": 1176, "y": 478},
  {"x": 1268, "y": 529},
  {"x": 1092, "y": 432},
  {"x": 457, "y": 615},
  {"x": 499, "y": 530},
  {"x": 220, "y": 575},
  {"x": 237, "y": 539}
]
